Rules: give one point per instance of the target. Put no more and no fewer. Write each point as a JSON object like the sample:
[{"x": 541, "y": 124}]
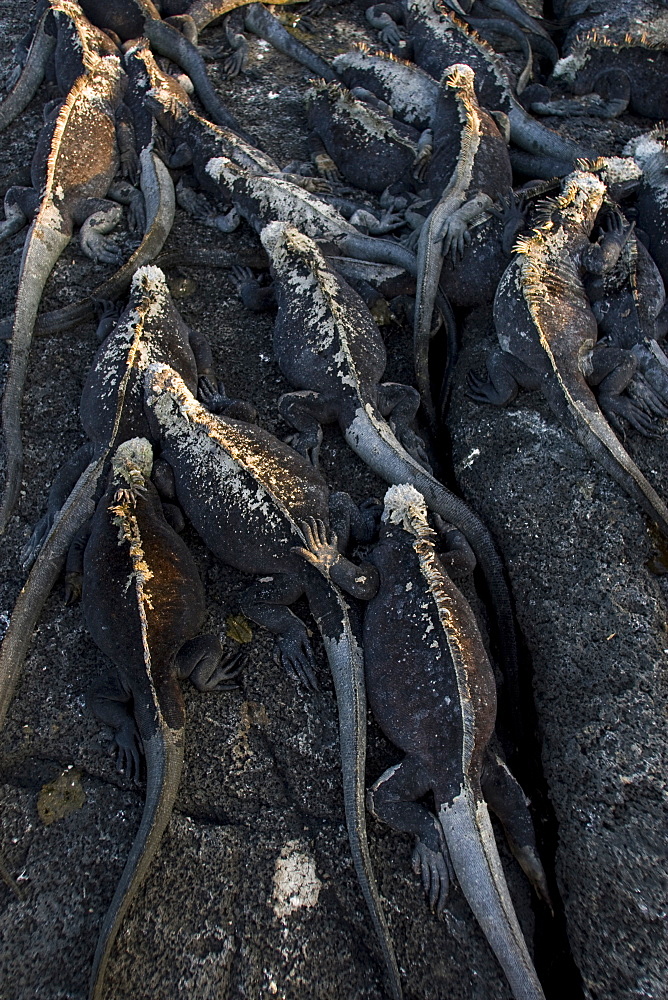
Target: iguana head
[
  {"x": 149, "y": 293},
  {"x": 164, "y": 95},
  {"x": 132, "y": 464}
]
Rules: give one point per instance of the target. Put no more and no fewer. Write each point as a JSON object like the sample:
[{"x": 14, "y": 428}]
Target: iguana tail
[
  {"x": 347, "y": 666},
  {"x": 258, "y": 20},
  {"x": 32, "y": 74},
  {"x": 44, "y": 245},
  {"x": 370, "y": 436},
  {"x": 158, "y": 190},
  {"x": 167, "y": 41},
  {"x": 163, "y": 751},
  {"x": 475, "y": 859},
  {"x": 574, "y": 403},
  {"x": 43, "y": 575},
  {"x": 535, "y": 138}
]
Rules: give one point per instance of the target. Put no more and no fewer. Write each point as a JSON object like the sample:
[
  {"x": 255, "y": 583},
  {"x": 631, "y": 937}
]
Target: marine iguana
[
  {"x": 439, "y": 39},
  {"x": 329, "y": 347},
  {"x": 548, "y": 335},
  {"x": 80, "y": 167},
  {"x": 144, "y": 605},
  {"x": 369, "y": 149},
  {"x": 431, "y": 690},
  {"x": 627, "y": 45},
  {"x": 111, "y": 409},
  {"x": 470, "y": 169},
  {"x": 246, "y": 494}
]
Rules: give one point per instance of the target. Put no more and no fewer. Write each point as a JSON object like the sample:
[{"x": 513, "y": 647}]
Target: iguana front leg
[
  {"x": 506, "y": 374},
  {"x": 393, "y": 800},
  {"x": 399, "y": 404},
  {"x": 93, "y": 232},
  {"x": 321, "y": 550}
]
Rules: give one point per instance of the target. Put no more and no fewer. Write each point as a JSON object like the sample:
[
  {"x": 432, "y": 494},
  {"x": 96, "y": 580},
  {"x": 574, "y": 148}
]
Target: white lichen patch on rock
[{"x": 296, "y": 884}]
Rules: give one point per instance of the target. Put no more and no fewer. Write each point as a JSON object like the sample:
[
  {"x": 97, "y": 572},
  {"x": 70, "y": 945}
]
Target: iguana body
[
  {"x": 62, "y": 34},
  {"x": 548, "y": 334},
  {"x": 80, "y": 167},
  {"x": 629, "y": 40},
  {"x": 470, "y": 169},
  {"x": 328, "y": 346},
  {"x": 431, "y": 690},
  {"x": 143, "y": 603},
  {"x": 247, "y": 495},
  {"x": 369, "y": 149}
]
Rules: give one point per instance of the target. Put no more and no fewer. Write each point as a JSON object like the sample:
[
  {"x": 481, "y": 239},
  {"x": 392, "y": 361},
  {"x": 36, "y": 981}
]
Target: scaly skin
[
  {"x": 431, "y": 690},
  {"x": 630, "y": 38},
  {"x": 81, "y": 166},
  {"x": 329, "y": 348},
  {"x": 111, "y": 410},
  {"x": 481, "y": 172},
  {"x": 63, "y": 32},
  {"x": 247, "y": 495},
  {"x": 143, "y": 602},
  {"x": 548, "y": 332}
]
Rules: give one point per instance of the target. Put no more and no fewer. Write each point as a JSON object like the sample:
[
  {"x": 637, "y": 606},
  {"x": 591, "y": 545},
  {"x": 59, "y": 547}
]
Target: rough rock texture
[
  {"x": 594, "y": 620},
  {"x": 258, "y": 832}
]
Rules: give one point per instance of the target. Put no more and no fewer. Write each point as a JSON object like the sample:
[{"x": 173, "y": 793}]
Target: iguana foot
[
  {"x": 93, "y": 238},
  {"x": 616, "y": 407},
  {"x": 436, "y": 870},
  {"x": 201, "y": 660},
  {"x": 128, "y": 754},
  {"x": 214, "y": 398},
  {"x": 322, "y": 553},
  {"x": 73, "y": 587},
  {"x": 30, "y": 550},
  {"x": 294, "y": 652},
  {"x": 505, "y": 375}
]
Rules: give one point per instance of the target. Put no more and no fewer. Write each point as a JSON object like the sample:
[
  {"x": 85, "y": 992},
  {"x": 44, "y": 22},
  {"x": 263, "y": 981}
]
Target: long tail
[
  {"x": 43, "y": 247},
  {"x": 347, "y": 666},
  {"x": 43, "y": 575},
  {"x": 535, "y": 138},
  {"x": 164, "y": 763},
  {"x": 158, "y": 190},
  {"x": 370, "y": 436},
  {"x": 32, "y": 74},
  {"x": 475, "y": 859},
  {"x": 575, "y": 404},
  {"x": 258, "y": 20},
  {"x": 169, "y": 42}
]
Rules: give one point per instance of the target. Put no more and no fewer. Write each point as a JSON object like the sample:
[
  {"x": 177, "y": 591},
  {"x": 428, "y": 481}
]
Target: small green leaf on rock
[
  {"x": 60, "y": 797},
  {"x": 238, "y": 628}
]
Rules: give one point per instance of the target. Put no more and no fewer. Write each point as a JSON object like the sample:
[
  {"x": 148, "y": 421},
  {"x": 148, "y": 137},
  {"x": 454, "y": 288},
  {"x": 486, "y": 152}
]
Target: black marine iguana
[
  {"x": 369, "y": 149},
  {"x": 329, "y": 347},
  {"x": 431, "y": 690},
  {"x": 470, "y": 169},
  {"x": 548, "y": 334},
  {"x": 74, "y": 179},
  {"x": 622, "y": 49},
  {"x": 144, "y": 604},
  {"x": 111, "y": 409},
  {"x": 247, "y": 494}
]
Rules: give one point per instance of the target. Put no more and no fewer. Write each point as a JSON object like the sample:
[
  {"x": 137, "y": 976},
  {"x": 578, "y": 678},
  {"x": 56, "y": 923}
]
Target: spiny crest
[
  {"x": 370, "y": 50},
  {"x": 90, "y": 36},
  {"x": 406, "y": 506},
  {"x": 468, "y": 31},
  {"x": 164, "y": 88},
  {"x": 580, "y": 199}
]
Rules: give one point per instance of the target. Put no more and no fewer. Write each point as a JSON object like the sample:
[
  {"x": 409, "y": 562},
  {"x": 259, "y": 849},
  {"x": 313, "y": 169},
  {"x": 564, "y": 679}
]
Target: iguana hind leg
[
  {"x": 612, "y": 369},
  {"x": 203, "y": 661},
  {"x": 306, "y": 411},
  {"x": 266, "y": 604},
  {"x": 505, "y": 798},
  {"x": 110, "y": 701},
  {"x": 393, "y": 800},
  {"x": 506, "y": 374}
]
